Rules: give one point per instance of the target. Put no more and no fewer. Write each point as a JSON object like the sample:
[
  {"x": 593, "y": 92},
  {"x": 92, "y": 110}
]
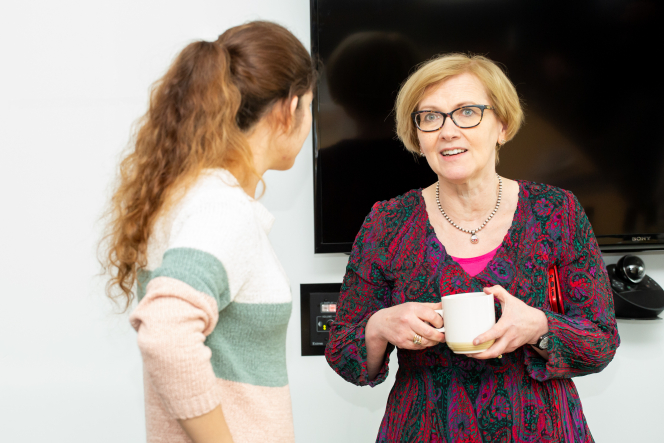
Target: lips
[{"x": 452, "y": 152}]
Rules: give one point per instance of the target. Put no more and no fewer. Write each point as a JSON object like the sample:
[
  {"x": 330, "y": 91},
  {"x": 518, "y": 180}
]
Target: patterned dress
[{"x": 439, "y": 396}]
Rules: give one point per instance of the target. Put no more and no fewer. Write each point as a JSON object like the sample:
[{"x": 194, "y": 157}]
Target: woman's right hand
[{"x": 400, "y": 324}]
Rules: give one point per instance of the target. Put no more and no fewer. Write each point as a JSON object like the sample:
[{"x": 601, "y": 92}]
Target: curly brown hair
[{"x": 198, "y": 117}]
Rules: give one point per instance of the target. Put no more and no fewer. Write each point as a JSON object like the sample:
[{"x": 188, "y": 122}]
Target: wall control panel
[{"x": 318, "y": 310}]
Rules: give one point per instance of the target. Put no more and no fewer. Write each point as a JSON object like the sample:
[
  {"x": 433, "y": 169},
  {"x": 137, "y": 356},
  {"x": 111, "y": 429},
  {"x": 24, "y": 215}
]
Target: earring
[
  {"x": 421, "y": 154},
  {"x": 503, "y": 141}
]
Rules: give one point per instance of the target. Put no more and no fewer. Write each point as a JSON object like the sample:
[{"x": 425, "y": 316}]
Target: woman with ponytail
[{"x": 188, "y": 239}]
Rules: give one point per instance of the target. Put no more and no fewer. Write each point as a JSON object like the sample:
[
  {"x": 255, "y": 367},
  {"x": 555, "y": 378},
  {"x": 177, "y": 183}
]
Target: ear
[
  {"x": 502, "y": 133},
  {"x": 292, "y": 109},
  {"x": 283, "y": 114},
  {"x": 293, "y": 106}
]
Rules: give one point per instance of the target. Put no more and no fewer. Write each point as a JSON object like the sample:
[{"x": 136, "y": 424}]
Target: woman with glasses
[{"x": 471, "y": 231}]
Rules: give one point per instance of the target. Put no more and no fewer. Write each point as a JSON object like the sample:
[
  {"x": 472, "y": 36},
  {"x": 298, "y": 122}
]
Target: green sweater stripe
[
  {"x": 247, "y": 335},
  {"x": 249, "y": 344},
  {"x": 200, "y": 270}
]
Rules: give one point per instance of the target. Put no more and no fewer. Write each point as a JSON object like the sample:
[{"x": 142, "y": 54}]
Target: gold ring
[
  {"x": 500, "y": 356},
  {"x": 417, "y": 339}
]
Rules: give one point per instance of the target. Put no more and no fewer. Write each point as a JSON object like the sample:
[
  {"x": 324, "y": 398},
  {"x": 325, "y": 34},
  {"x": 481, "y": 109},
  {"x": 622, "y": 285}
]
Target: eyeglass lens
[{"x": 465, "y": 117}]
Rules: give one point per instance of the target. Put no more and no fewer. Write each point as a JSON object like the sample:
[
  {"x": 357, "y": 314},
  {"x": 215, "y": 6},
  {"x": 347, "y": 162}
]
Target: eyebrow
[{"x": 436, "y": 108}]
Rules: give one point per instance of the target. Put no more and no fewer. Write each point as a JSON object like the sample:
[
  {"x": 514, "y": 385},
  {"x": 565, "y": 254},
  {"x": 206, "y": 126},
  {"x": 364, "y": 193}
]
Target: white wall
[{"x": 74, "y": 76}]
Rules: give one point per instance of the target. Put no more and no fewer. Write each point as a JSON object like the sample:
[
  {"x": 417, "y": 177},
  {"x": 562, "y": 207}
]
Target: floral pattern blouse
[{"x": 439, "y": 396}]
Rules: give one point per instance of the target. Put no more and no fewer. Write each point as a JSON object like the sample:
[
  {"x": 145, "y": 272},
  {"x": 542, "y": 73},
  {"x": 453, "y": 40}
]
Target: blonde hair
[{"x": 500, "y": 89}]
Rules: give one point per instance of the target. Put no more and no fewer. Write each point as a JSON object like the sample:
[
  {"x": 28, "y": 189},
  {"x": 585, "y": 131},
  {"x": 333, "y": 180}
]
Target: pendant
[{"x": 473, "y": 239}]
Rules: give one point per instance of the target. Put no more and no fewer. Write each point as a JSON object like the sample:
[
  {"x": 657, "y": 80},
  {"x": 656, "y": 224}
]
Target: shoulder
[
  {"x": 405, "y": 202},
  {"x": 214, "y": 201},
  {"x": 215, "y": 188},
  {"x": 211, "y": 205},
  {"x": 213, "y": 215},
  {"x": 388, "y": 218},
  {"x": 540, "y": 195},
  {"x": 400, "y": 207},
  {"x": 557, "y": 211}
]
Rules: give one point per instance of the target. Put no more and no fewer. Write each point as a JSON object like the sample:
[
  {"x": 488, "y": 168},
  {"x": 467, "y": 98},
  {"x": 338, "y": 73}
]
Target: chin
[
  {"x": 456, "y": 175},
  {"x": 284, "y": 166},
  {"x": 461, "y": 173}
]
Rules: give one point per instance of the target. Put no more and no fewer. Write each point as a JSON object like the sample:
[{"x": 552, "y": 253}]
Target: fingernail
[{"x": 476, "y": 342}]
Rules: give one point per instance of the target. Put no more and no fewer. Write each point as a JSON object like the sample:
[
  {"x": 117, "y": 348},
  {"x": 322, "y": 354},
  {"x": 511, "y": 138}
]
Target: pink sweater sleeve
[{"x": 172, "y": 321}]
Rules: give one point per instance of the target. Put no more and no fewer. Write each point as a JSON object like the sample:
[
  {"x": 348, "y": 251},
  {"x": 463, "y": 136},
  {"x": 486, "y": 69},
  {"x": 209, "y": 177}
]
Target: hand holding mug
[
  {"x": 408, "y": 325},
  {"x": 519, "y": 324}
]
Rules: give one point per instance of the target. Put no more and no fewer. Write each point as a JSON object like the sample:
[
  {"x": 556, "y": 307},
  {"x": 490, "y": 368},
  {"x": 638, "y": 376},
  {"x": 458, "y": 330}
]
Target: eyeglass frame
[{"x": 449, "y": 114}]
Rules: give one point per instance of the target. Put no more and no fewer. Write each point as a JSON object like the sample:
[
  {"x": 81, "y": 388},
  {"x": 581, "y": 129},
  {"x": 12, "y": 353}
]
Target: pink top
[{"x": 475, "y": 265}]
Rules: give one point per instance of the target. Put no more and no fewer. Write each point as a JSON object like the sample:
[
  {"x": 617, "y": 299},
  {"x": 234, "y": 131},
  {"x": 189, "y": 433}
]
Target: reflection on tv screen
[{"x": 588, "y": 80}]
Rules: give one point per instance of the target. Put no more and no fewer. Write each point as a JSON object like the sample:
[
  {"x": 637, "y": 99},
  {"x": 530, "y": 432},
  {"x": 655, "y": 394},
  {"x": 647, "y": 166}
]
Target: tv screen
[{"x": 586, "y": 72}]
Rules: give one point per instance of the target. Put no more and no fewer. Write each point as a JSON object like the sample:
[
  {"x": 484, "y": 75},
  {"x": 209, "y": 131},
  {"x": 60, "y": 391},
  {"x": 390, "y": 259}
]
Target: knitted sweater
[{"x": 214, "y": 304}]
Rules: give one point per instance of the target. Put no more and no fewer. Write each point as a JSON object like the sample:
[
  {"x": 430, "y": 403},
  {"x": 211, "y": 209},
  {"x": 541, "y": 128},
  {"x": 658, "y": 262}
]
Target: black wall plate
[{"x": 318, "y": 303}]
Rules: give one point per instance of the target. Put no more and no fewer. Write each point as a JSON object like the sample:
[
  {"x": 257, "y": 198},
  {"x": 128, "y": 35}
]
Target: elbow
[
  {"x": 598, "y": 365},
  {"x": 166, "y": 346},
  {"x": 335, "y": 359},
  {"x": 345, "y": 363},
  {"x": 329, "y": 356},
  {"x": 610, "y": 353},
  {"x": 330, "y": 346},
  {"x": 597, "y": 362},
  {"x": 152, "y": 346},
  {"x": 611, "y": 346}
]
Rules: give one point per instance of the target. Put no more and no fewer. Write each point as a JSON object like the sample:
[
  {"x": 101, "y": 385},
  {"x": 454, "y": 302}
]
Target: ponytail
[{"x": 199, "y": 112}]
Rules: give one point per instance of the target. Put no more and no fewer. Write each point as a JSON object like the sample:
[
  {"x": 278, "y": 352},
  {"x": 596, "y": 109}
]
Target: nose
[{"x": 449, "y": 130}]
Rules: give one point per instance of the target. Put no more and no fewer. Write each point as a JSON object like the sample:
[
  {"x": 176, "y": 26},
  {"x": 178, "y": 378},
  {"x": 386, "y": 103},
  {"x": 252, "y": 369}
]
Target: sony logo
[{"x": 640, "y": 238}]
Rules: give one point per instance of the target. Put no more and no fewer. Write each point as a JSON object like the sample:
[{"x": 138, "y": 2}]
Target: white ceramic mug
[{"x": 466, "y": 316}]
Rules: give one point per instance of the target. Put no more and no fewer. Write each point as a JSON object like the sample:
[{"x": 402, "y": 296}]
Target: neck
[
  {"x": 259, "y": 142},
  {"x": 469, "y": 201}
]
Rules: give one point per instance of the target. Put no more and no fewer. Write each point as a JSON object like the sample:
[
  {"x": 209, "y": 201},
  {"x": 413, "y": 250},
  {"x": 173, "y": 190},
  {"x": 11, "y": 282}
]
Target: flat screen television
[{"x": 587, "y": 72}]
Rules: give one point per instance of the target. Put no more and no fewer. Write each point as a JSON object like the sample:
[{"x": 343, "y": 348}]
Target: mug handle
[{"x": 439, "y": 312}]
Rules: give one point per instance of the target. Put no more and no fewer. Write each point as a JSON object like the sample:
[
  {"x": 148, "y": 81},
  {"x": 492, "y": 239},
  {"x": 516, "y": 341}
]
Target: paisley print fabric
[{"x": 439, "y": 396}]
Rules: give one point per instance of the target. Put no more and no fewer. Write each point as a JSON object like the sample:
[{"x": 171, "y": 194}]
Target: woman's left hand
[{"x": 520, "y": 324}]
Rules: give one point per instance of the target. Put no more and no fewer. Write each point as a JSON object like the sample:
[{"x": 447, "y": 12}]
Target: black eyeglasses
[{"x": 464, "y": 117}]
